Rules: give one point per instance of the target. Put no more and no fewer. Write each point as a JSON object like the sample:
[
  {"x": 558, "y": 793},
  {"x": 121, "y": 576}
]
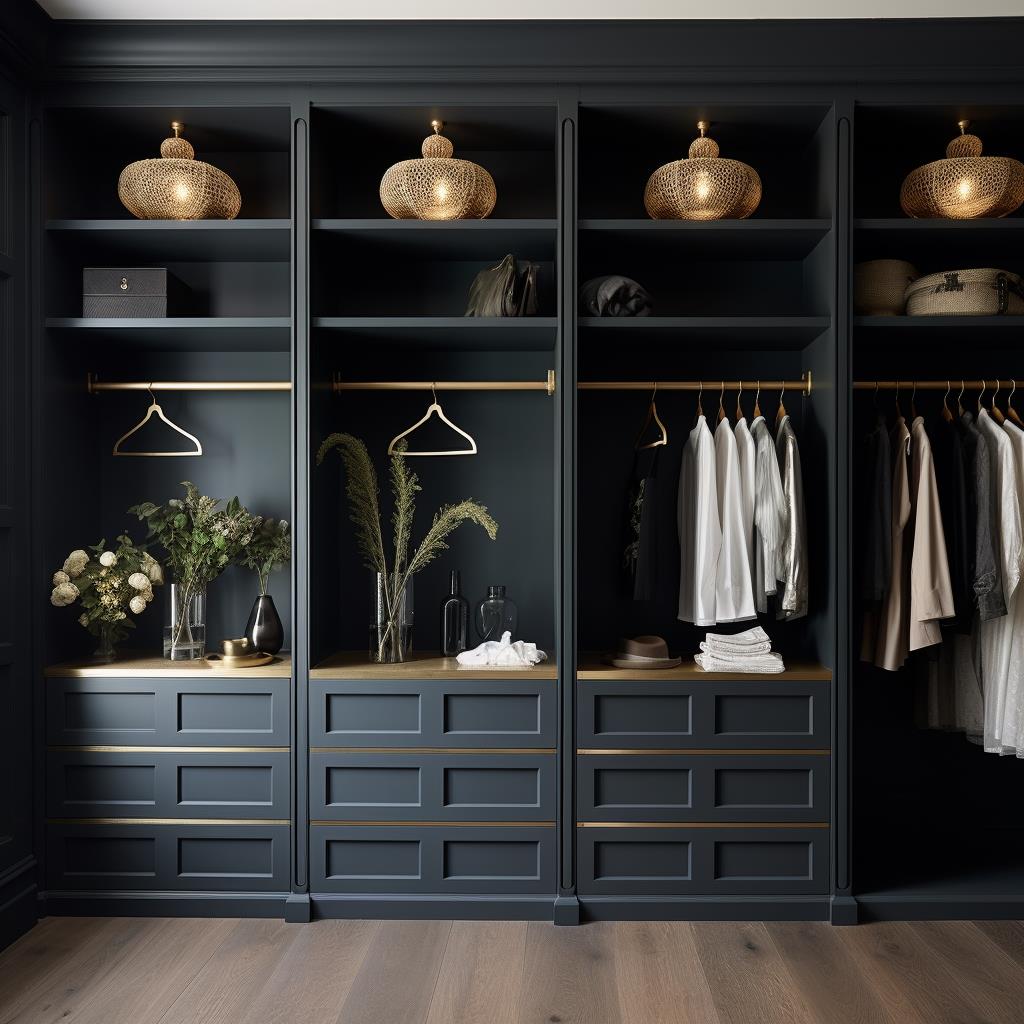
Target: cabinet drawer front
[
  {"x": 427, "y": 713},
  {"x": 170, "y": 858},
  {"x": 751, "y": 714},
  {"x": 432, "y": 787},
  {"x": 703, "y": 787},
  {"x": 166, "y": 784},
  {"x": 702, "y": 861},
  {"x": 167, "y": 712},
  {"x": 430, "y": 859}
]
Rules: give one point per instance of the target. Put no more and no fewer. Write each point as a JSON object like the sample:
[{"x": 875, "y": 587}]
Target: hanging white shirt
[
  {"x": 1011, "y": 736},
  {"x": 734, "y": 592},
  {"x": 769, "y": 503},
  {"x": 746, "y": 456},
  {"x": 700, "y": 532}
]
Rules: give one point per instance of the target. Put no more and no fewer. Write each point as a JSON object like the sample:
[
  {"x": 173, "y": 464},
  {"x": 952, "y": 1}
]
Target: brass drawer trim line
[
  {"x": 731, "y": 751},
  {"x": 108, "y": 748},
  {"x": 432, "y": 824},
  {"x": 432, "y": 750},
  {"x": 167, "y": 821},
  {"x": 762, "y": 825}
]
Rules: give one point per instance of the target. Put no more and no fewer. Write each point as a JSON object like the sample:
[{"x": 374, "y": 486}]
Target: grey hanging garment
[
  {"x": 508, "y": 289},
  {"x": 614, "y": 295}
]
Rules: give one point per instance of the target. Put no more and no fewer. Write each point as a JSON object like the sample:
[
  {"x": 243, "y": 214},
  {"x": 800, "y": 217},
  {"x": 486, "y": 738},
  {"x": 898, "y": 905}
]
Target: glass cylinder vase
[
  {"x": 185, "y": 633},
  {"x": 391, "y": 624},
  {"x": 105, "y": 652}
]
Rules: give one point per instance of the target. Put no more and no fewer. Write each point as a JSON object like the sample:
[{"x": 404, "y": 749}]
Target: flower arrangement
[
  {"x": 201, "y": 540},
  {"x": 364, "y": 511},
  {"x": 269, "y": 549},
  {"x": 109, "y": 584}
]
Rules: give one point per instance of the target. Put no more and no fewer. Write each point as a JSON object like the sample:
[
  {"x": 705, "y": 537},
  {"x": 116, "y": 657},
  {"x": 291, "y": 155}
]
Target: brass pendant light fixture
[
  {"x": 965, "y": 185},
  {"x": 176, "y": 186},
  {"x": 437, "y": 186},
  {"x": 703, "y": 186}
]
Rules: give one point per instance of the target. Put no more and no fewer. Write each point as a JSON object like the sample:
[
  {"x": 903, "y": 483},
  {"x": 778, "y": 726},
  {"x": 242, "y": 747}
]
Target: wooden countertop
[
  {"x": 354, "y": 665},
  {"x": 591, "y": 667},
  {"x": 135, "y": 665}
]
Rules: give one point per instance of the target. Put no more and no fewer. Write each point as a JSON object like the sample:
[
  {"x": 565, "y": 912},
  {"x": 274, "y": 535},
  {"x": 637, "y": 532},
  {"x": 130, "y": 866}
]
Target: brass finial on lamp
[
  {"x": 176, "y": 186},
  {"x": 966, "y": 184},
  {"x": 703, "y": 186},
  {"x": 437, "y": 186}
]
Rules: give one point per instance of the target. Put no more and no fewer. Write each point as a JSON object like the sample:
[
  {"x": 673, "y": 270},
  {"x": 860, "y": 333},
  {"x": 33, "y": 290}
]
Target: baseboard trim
[
  {"x": 704, "y": 908},
  {"x": 844, "y": 911},
  {"x": 298, "y": 909},
  {"x": 940, "y": 907},
  {"x": 433, "y": 907},
  {"x": 18, "y": 903},
  {"x": 162, "y": 904},
  {"x": 567, "y": 911}
]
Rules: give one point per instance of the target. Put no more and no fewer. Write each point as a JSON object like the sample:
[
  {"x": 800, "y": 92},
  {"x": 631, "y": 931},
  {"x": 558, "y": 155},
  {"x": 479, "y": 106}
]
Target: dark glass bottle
[{"x": 454, "y": 620}]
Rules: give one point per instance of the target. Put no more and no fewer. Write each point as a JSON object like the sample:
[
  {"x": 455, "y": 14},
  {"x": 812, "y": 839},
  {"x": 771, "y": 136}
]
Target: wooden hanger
[
  {"x": 757, "y": 401},
  {"x": 721, "y": 403},
  {"x": 781, "y": 412},
  {"x": 996, "y": 412},
  {"x": 433, "y": 409},
  {"x": 960, "y": 399},
  {"x": 700, "y": 407},
  {"x": 739, "y": 408},
  {"x": 652, "y": 416},
  {"x": 913, "y": 403},
  {"x": 947, "y": 414},
  {"x": 981, "y": 393},
  {"x": 1010, "y": 411},
  {"x": 155, "y": 408},
  {"x": 899, "y": 411}
]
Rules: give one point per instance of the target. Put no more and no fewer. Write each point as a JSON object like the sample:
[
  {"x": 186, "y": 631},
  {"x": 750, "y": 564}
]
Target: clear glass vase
[
  {"x": 391, "y": 625},
  {"x": 105, "y": 652},
  {"x": 185, "y": 633}
]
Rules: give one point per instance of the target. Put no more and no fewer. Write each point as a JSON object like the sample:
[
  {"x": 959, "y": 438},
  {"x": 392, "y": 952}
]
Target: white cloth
[
  {"x": 750, "y": 641},
  {"x": 793, "y": 570},
  {"x": 746, "y": 461},
  {"x": 700, "y": 533},
  {"x": 734, "y": 594},
  {"x": 766, "y": 664},
  {"x": 996, "y": 635},
  {"x": 502, "y": 654},
  {"x": 1011, "y": 737},
  {"x": 769, "y": 502}
]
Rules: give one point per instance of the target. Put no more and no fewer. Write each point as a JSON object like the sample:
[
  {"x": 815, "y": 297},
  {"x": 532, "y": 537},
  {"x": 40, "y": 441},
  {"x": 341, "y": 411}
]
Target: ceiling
[{"x": 413, "y": 10}]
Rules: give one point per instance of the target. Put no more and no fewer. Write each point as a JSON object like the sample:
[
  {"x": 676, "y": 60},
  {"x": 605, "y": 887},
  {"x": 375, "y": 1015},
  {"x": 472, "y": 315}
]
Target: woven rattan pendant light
[
  {"x": 437, "y": 187},
  {"x": 703, "y": 186},
  {"x": 176, "y": 186},
  {"x": 965, "y": 185}
]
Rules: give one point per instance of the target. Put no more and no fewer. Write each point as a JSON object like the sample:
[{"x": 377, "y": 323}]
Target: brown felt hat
[{"x": 643, "y": 652}]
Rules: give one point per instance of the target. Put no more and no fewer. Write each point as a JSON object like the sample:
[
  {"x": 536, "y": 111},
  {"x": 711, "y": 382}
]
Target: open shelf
[
  {"x": 222, "y": 333},
  {"x": 592, "y": 667},
  {"x": 732, "y": 239},
  {"x": 457, "y": 333},
  {"x": 353, "y": 665},
  {"x": 780, "y": 333},
  {"x": 1000, "y": 332},
  {"x": 135, "y": 666},
  {"x": 938, "y": 245},
  {"x": 243, "y": 240}
]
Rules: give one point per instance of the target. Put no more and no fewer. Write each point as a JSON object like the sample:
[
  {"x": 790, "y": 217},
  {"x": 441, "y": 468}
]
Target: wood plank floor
[{"x": 136, "y": 971}]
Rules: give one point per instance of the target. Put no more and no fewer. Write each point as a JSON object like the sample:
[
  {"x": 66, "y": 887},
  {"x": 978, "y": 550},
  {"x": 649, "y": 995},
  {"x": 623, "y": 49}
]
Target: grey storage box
[{"x": 131, "y": 292}]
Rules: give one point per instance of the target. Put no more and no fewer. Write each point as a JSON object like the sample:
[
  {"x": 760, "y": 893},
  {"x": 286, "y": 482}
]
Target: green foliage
[{"x": 270, "y": 549}]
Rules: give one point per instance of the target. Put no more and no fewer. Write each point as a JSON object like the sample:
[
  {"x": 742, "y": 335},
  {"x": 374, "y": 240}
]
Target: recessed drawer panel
[
  {"x": 429, "y": 786},
  {"x": 169, "y": 858},
  {"x": 754, "y": 714},
  {"x": 167, "y": 784},
  {"x": 468, "y": 713},
  {"x": 95, "y": 711},
  {"x": 432, "y": 859},
  {"x": 702, "y": 861},
  {"x": 703, "y": 787}
]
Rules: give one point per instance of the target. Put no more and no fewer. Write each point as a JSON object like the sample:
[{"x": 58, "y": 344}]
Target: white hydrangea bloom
[
  {"x": 83, "y": 620},
  {"x": 137, "y": 604},
  {"x": 61, "y": 577},
  {"x": 138, "y": 581},
  {"x": 108, "y": 559},
  {"x": 75, "y": 563},
  {"x": 63, "y": 595},
  {"x": 147, "y": 594},
  {"x": 156, "y": 573}
]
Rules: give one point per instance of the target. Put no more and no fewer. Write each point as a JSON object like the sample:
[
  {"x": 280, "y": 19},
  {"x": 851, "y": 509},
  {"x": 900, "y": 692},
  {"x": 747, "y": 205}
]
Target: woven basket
[
  {"x": 984, "y": 292},
  {"x": 879, "y": 286}
]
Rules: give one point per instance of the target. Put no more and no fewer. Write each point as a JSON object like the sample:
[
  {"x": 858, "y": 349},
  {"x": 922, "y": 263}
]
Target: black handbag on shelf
[
  {"x": 508, "y": 289},
  {"x": 614, "y": 295}
]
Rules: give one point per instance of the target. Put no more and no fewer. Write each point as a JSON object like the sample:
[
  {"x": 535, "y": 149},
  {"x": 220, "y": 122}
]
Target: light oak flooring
[{"x": 134, "y": 971}]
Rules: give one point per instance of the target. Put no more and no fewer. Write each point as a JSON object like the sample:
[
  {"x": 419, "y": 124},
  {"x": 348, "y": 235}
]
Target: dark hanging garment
[
  {"x": 988, "y": 581},
  {"x": 958, "y": 505},
  {"x": 878, "y": 511},
  {"x": 639, "y": 546}
]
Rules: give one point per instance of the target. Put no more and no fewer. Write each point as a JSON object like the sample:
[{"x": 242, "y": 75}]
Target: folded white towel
[
  {"x": 749, "y": 638},
  {"x": 763, "y": 665},
  {"x": 503, "y": 654},
  {"x": 732, "y": 654}
]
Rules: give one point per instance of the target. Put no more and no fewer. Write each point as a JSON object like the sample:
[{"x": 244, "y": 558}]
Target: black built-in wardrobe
[{"x": 323, "y": 785}]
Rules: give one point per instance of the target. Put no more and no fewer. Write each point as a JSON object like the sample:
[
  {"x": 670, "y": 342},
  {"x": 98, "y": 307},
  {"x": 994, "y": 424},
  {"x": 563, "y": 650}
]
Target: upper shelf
[
  {"x": 722, "y": 239},
  {"x": 790, "y": 333},
  {"x": 184, "y": 240},
  {"x": 353, "y": 665},
  {"x": 497, "y": 334},
  {"x": 938, "y": 245},
  {"x": 450, "y": 240},
  {"x": 187, "y": 334}
]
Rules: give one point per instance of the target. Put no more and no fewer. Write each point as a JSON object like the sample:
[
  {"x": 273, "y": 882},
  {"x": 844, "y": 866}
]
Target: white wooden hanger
[
  {"x": 652, "y": 417},
  {"x": 434, "y": 408},
  {"x": 155, "y": 408}
]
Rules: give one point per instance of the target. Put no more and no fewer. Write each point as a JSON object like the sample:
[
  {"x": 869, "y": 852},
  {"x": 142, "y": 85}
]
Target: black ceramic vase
[{"x": 264, "y": 628}]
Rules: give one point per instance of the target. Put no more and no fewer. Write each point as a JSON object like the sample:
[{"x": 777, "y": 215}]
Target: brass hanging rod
[
  {"x": 94, "y": 386},
  {"x": 952, "y": 384},
  {"x": 710, "y": 384},
  {"x": 547, "y": 385}
]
